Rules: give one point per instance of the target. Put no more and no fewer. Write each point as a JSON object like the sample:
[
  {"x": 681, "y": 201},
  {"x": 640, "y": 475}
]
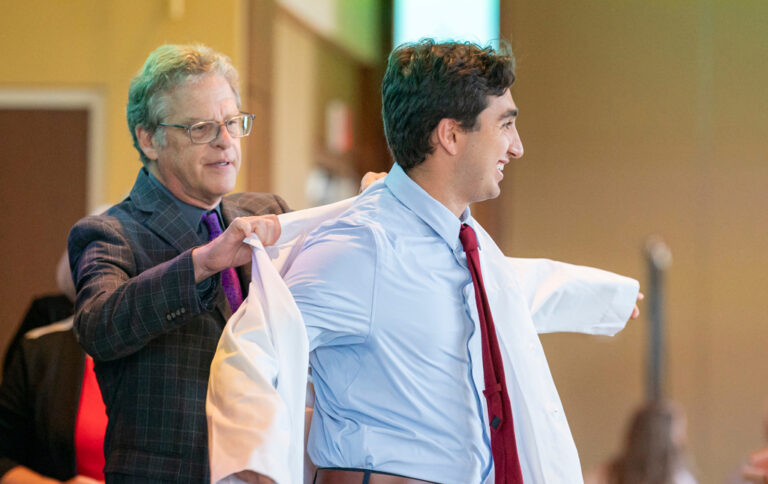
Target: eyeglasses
[{"x": 206, "y": 131}]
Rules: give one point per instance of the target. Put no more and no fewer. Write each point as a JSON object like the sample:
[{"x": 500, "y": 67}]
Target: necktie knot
[
  {"x": 211, "y": 220},
  {"x": 468, "y": 238}
]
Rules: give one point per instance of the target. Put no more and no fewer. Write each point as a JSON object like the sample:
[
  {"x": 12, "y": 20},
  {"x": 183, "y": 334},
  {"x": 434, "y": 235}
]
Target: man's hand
[
  {"x": 754, "y": 474},
  {"x": 25, "y": 475},
  {"x": 636, "y": 311},
  {"x": 253, "y": 478},
  {"x": 83, "y": 480},
  {"x": 228, "y": 250},
  {"x": 369, "y": 178}
]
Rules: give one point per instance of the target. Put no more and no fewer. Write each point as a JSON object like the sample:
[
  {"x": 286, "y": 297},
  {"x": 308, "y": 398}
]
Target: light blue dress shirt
[
  {"x": 383, "y": 292},
  {"x": 390, "y": 318}
]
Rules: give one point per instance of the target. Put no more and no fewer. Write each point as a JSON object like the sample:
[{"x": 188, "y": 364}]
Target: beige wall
[
  {"x": 95, "y": 44},
  {"x": 294, "y": 95},
  {"x": 354, "y": 24},
  {"x": 640, "y": 118},
  {"x": 309, "y": 72},
  {"x": 99, "y": 45}
]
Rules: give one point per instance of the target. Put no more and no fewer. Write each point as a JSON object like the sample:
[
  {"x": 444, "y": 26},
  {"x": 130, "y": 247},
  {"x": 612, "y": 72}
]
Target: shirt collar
[
  {"x": 189, "y": 213},
  {"x": 432, "y": 212}
]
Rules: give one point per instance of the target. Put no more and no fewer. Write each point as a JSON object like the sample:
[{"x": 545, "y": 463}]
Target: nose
[
  {"x": 224, "y": 140},
  {"x": 515, "y": 148}
]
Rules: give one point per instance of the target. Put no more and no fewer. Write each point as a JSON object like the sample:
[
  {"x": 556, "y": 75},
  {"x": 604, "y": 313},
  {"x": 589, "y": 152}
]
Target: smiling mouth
[{"x": 500, "y": 166}]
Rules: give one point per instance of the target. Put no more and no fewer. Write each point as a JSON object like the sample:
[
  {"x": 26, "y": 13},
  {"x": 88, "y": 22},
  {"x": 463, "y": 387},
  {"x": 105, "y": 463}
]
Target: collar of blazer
[
  {"x": 163, "y": 216},
  {"x": 230, "y": 210},
  {"x": 164, "y": 219}
]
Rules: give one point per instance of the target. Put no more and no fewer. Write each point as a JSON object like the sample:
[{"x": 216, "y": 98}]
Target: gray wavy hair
[{"x": 167, "y": 67}]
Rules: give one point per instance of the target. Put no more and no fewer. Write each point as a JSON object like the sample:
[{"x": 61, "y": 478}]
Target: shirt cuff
[{"x": 206, "y": 290}]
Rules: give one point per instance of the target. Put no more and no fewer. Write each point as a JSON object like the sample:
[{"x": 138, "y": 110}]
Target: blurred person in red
[{"x": 52, "y": 417}]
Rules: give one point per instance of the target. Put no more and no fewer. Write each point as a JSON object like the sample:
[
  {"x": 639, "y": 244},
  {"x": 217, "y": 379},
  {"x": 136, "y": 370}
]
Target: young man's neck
[{"x": 436, "y": 182}]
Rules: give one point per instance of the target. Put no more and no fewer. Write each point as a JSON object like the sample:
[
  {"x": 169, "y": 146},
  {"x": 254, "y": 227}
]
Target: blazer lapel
[
  {"x": 165, "y": 220},
  {"x": 163, "y": 216},
  {"x": 231, "y": 211}
]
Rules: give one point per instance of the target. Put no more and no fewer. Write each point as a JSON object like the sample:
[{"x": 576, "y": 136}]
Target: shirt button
[
  {"x": 168, "y": 317},
  {"x": 183, "y": 310},
  {"x": 178, "y": 312}
]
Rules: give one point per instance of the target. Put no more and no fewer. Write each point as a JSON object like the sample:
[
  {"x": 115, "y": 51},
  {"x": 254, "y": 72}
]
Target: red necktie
[
  {"x": 229, "y": 281},
  {"x": 503, "y": 446}
]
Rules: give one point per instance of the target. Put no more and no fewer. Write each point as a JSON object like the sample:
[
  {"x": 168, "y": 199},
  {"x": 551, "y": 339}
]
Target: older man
[{"x": 155, "y": 275}]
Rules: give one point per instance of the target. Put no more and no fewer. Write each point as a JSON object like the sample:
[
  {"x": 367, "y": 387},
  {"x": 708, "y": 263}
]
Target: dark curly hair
[{"x": 428, "y": 81}]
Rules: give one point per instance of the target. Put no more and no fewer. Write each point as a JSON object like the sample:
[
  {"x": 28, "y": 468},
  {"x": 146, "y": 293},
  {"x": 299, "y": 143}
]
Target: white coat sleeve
[
  {"x": 257, "y": 384},
  {"x": 566, "y": 297}
]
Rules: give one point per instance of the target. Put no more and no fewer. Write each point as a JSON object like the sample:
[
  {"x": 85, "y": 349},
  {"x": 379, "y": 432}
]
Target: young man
[{"x": 423, "y": 336}]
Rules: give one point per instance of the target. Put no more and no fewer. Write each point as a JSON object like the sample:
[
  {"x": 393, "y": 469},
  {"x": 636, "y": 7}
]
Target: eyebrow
[
  {"x": 194, "y": 120},
  {"x": 510, "y": 113}
]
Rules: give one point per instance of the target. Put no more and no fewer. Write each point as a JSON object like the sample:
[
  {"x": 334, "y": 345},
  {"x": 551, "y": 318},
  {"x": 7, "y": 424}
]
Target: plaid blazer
[{"x": 152, "y": 337}]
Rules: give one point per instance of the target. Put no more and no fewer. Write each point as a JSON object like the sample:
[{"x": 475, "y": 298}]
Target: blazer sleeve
[
  {"x": 120, "y": 308},
  {"x": 284, "y": 208}
]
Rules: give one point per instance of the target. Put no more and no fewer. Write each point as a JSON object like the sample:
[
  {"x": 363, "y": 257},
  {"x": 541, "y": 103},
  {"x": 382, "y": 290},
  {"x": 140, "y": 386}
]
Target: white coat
[{"x": 257, "y": 387}]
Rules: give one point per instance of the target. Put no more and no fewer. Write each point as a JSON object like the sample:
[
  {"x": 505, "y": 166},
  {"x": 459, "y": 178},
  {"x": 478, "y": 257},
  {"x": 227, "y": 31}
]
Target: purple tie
[
  {"x": 503, "y": 445},
  {"x": 229, "y": 280}
]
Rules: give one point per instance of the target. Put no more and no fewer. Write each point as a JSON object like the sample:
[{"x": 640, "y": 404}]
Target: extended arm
[
  {"x": 566, "y": 297},
  {"x": 120, "y": 309}
]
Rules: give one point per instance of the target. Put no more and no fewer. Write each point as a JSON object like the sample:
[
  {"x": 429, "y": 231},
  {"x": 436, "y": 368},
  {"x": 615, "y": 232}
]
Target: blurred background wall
[
  {"x": 637, "y": 118},
  {"x": 641, "y": 118}
]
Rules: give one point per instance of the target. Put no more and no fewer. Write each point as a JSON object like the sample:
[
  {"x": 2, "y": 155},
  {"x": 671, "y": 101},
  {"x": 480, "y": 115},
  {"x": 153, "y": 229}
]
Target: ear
[
  {"x": 146, "y": 142},
  {"x": 446, "y": 135}
]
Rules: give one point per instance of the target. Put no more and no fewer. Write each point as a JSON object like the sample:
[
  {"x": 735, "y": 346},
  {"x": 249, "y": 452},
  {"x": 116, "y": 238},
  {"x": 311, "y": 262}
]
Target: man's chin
[
  {"x": 222, "y": 186},
  {"x": 222, "y": 191},
  {"x": 486, "y": 197},
  {"x": 494, "y": 193}
]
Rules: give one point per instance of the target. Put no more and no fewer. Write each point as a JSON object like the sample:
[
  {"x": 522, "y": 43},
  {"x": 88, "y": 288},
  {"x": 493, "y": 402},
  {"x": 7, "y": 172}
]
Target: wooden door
[{"x": 43, "y": 161}]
